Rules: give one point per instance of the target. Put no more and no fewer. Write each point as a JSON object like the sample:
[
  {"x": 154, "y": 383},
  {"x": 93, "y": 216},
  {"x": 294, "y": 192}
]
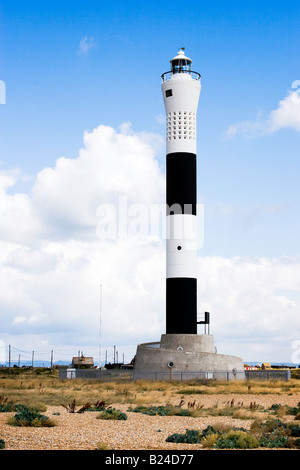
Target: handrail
[{"x": 194, "y": 75}]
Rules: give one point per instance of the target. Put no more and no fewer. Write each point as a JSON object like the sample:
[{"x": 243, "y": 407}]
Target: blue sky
[{"x": 72, "y": 66}]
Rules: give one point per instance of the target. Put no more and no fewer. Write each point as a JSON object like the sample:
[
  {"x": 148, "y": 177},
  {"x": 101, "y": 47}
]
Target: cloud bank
[{"x": 52, "y": 262}]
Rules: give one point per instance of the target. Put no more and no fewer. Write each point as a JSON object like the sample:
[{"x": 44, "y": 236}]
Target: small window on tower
[{"x": 169, "y": 93}]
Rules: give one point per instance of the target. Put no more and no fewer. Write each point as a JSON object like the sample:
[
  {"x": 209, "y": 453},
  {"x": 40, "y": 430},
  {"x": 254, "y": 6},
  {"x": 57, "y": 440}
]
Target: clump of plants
[
  {"x": 99, "y": 405},
  {"x": 107, "y": 412},
  {"x": 191, "y": 436},
  {"x": 216, "y": 438},
  {"x": 285, "y": 409},
  {"x": 103, "y": 446},
  {"x": 163, "y": 410},
  {"x": 236, "y": 440},
  {"x": 269, "y": 434},
  {"x": 274, "y": 433},
  {"x": 5, "y": 406},
  {"x": 2, "y": 444},
  {"x": 71, "y": 407},
  {"x": 112, "y": 413},
  {"x": 29, "y": 416}
]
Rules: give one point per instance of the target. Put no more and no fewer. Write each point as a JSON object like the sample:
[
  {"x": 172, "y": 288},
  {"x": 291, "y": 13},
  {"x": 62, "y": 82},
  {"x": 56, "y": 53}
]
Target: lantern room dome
[{"x": 181, "y": 63}]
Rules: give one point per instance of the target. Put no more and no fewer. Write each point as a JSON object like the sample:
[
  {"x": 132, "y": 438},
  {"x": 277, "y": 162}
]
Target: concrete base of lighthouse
[{"x": 185, "y": 357}]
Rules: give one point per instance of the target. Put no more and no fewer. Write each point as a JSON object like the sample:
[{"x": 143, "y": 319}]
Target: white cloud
[
  {"x": 111, "y": 164},
  {"x": 286, "y": 115},
  {"x": 86, "y": 44},
  {"x": 52, "y": 263},
  {"x": 253, "y": 302},
  {"x": 18, "y": 219}
]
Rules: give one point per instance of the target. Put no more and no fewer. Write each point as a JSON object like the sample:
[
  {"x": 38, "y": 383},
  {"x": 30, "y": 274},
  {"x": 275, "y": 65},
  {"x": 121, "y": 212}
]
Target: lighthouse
[
  {"x": 182, "y": 353},
  {"x": 181, "y": 90}
]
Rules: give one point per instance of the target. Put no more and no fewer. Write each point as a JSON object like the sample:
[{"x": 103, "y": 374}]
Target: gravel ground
[{"x": 85, "y": 432}]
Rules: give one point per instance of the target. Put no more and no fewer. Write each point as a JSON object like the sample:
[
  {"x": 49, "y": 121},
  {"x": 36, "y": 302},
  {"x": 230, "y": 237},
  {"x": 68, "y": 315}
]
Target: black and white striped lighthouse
[
  {"x": 182, "y": 352},
  {"x": 181, "y": 90}
]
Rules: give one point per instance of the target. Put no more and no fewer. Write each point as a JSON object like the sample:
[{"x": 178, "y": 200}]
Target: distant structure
[
  {"x": 181, "y": 349},
  {"x": 82, "y": 362}
]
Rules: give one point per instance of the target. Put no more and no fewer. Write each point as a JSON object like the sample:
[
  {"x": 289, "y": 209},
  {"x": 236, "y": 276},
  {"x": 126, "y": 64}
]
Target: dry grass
[{"x": 29, "y": 388}]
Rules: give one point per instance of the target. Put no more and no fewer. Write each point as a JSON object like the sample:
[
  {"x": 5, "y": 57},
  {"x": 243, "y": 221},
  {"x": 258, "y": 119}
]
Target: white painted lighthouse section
[
  {"x": 181, "y": 246},
  {"x": 181, "y": 94}
]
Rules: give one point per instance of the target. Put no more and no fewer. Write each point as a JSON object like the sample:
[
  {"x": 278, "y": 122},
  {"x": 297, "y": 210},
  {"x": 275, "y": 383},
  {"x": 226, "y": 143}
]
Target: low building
[{"x": 82, "y": 362}]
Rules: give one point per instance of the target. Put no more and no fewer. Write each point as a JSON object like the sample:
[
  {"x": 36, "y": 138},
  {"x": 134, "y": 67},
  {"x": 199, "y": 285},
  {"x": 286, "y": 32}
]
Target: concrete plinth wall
[{"x": 188, "y": 354}]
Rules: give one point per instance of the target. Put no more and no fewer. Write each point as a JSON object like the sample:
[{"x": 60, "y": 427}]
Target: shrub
[
  {"x": 2, "y": 444},
  {"x": 208, "y": 431},
  {"x": 289, "y": 410},
  {"x": 294, "y": 429},
  {"x": 99, "y": 405},
  {"x": 163, "y": 410},
  {"x": 273, "y": 433},
  {"x": 210, "y": 436},
  {"x": 112, "y": 413},
  {"x": 102, "y": 446},
  {"x": 26, "y": 416},
  {"x": 297, "y": 442},
  {"x": 190, "y": 437},
  {"x": 236, "y": 440},
  {"x": 210, "y": 440},
  {"x": 271, "y": 425},
  {"x": 274, "y": 439},
  {"x": 5, "y": 406},
  {"x": 71, "y": 407}
]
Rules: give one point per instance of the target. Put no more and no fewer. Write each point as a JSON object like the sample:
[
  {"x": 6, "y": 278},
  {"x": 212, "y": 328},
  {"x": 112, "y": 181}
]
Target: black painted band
[
  {"x": 181, "y": 305},
  {"x": 181, "y": 183}
]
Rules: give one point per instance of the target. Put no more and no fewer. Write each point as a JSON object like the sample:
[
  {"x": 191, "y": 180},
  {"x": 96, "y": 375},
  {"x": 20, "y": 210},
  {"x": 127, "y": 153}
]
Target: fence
[
  {"x": 179, "y": 376},
  {"x": 117, "y": 374},
  {"x": 264, "y": 375},
  {"x": 98, "y": 374}
]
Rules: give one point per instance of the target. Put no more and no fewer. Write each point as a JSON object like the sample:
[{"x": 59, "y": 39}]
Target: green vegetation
[
  {"x": 162, "y": 410},
  {"x": 5, "y": 405},
  {"x": 269, "y": 434},
  {"x": 112, "y": 413},
  {"x": 2, "y": 444},
  {"x": 236, "y": 440},
  {"x": 289, "y": 410},
  {"x": 102, "y": 446},
  {"x": 275, "y": 433},
  {"x": 26, "y": 416},
  {"x": 191, "y": 436},
  {"x": 71, "y": 407}
]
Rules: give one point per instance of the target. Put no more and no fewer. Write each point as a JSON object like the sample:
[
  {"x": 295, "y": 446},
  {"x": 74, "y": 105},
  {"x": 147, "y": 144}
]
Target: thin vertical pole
[
  {"x": 100, "y": 319},
  {"x": 9, "y": 357}
]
